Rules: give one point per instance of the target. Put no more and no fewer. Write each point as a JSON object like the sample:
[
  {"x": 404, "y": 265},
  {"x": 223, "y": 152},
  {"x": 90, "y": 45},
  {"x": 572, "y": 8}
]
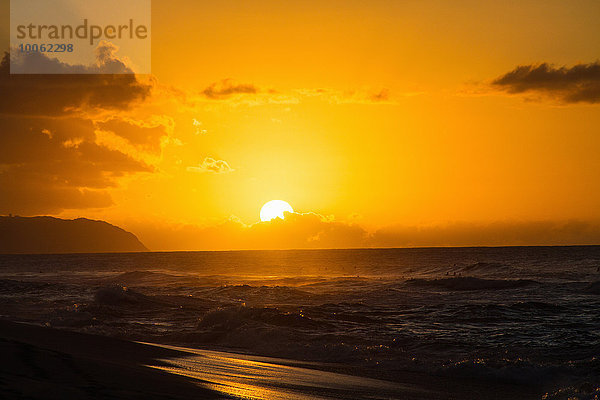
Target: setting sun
[{"x": 274, "y": 209}]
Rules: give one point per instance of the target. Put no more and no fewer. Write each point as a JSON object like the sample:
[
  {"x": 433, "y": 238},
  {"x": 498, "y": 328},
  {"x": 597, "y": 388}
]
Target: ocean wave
[
  {"x": 587, "y": 390},
  {"x": 341, "y": 282},
  {"x": 75, "y": 316},
  {"x": 497, "y": 312},
  {"x": 485, "y": 267},
  {"x": 593, "y": 288},
  {"x": 10, "y": 286},
  {"x": 471, "y": 283},
  {"x": 269, "y": 331},
  {"x": 578, "y": 378},
  {"x": 152, "y": 278},
  {"x": 343, "y": 312},
  {"x": 259, "y": 294},
  {"x": 116, "y": 295},
  {"x": 233, "y": 317},
  {"x": 516, "y": 371},
  {"x": 537, "y": 306}
]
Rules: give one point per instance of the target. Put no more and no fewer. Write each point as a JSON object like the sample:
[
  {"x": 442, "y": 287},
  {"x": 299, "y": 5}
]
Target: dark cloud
[
  {"x": 227, "y": 88},
  {"x": 144, "y": 135},
  {"x": 50, "y": 156},
  {"x": 66, "y": 89},
  {"x": 107, "y": 62},
  {"x": 51, "y": 164},
  {"x": 39, "y": 196},
  {"x": 580, "y": 83}
]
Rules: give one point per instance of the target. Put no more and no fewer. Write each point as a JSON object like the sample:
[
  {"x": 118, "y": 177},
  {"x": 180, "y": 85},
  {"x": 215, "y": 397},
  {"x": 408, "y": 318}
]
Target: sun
[{"x": 274, "y": 209}]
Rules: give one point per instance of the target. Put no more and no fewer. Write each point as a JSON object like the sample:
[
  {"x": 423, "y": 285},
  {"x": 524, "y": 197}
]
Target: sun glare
[{"x": 274, "y": 209}]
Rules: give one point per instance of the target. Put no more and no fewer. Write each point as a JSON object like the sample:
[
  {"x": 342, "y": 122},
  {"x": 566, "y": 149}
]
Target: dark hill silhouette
[{"x": 55, "y": 235}]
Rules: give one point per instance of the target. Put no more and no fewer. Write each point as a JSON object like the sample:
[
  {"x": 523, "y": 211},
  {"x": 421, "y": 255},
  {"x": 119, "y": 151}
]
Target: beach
[
  {"x": 42, "y": 363},
  {"x": 45, "y": 363}
]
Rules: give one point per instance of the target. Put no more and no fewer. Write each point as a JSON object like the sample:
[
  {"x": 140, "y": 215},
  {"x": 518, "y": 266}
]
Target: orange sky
[{"x": 367, "y": 116}]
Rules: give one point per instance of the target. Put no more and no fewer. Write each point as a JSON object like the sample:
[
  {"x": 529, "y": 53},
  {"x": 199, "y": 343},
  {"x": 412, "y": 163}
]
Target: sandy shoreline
[
  {"x": 43, "y": 363},
  {"x": 39, "y": 362}
]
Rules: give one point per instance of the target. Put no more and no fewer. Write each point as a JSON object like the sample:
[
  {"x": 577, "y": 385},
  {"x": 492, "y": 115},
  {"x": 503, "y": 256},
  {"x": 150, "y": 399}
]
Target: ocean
[{"x": 522, "y": 316}]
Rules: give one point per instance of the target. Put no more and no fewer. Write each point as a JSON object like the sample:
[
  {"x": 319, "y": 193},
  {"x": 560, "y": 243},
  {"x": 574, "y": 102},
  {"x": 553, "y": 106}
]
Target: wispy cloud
[
  {"x": 354, "y": 96},
  {"x": 234, "y": 93},
  {"x": 227, "y": 88},
  {"x": 198, "y": 127},
  {"x": 211, "y": 165}
]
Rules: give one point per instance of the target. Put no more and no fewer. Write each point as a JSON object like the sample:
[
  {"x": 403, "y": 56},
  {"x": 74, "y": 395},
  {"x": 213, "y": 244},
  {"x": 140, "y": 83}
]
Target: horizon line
[{"x": 309, "y": 249}]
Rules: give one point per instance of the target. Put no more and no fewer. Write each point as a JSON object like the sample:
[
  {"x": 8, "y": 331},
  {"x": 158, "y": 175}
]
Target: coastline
[
  {"x": 40, "y": 362},
  {"x": 45, "y": 363}
]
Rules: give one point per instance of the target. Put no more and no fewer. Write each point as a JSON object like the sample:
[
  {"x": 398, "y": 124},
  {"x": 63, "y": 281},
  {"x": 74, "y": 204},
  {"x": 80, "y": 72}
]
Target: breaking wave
[{"x": 117, "y": 295}]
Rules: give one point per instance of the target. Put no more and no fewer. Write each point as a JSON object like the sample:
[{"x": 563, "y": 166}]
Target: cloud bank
[
  {"x": 311, "y": 231},
  {"x": 506, "y": 233}
]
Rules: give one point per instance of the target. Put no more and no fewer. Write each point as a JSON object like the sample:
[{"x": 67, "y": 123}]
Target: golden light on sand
[{"x": 274, "y": 209}]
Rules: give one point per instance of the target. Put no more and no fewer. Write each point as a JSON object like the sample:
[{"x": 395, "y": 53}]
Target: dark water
[{"x": 523, "y": 315}]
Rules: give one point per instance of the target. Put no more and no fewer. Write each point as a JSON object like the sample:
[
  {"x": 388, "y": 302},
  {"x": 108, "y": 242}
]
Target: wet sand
[{"x": 44, "y": 363}]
